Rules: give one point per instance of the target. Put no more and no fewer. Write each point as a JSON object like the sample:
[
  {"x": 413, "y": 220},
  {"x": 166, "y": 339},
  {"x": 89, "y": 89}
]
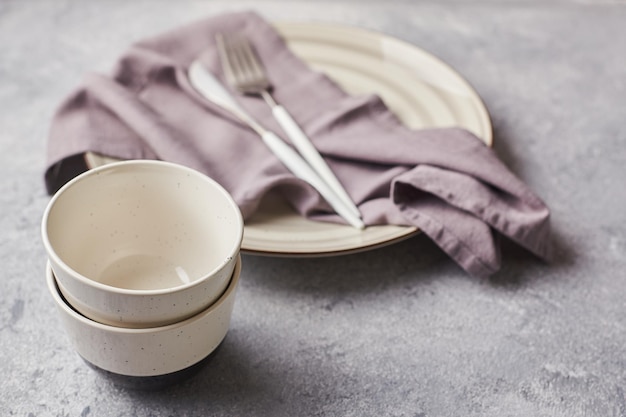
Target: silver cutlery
[
  {"x": 246, "y": 73},
  {"x": 211, "y": 89}
]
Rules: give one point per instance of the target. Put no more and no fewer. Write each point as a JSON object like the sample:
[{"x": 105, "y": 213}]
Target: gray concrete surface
[{"x": 399, "y": 331}]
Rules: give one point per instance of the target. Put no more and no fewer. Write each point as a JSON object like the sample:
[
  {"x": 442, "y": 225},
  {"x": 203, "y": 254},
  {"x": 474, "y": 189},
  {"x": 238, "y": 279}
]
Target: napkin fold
[{"x": 446, "y": 182}]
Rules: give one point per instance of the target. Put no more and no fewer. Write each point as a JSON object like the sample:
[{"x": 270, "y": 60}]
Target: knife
[{"x": 211, "y": 89}]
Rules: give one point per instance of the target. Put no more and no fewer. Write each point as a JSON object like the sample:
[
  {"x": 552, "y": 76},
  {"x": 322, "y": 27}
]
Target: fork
[
  {"x": 209, "y": 87},
  {"x": 245, "y": 72}
]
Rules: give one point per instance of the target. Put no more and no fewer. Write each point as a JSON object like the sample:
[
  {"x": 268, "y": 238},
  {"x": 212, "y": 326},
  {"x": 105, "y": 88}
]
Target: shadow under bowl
[{"x": 155, "y": 382}]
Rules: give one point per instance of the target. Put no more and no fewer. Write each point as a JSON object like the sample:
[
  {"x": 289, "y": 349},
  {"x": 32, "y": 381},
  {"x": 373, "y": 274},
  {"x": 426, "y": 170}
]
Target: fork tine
[
  {"x": 225, "y": 58},
  {"x": 252, "y": 59},
  {"x": 242, "y": 66},
  {"x": 245, "y": 63}
]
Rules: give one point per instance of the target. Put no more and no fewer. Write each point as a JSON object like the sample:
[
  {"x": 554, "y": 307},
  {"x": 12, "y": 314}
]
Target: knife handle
[
  {"x": 298, "y": 166},
  {"x": 312, "y": 156}
]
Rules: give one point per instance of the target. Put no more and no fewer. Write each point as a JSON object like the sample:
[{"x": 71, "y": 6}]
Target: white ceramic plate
[{"x": 419, "y": 88}]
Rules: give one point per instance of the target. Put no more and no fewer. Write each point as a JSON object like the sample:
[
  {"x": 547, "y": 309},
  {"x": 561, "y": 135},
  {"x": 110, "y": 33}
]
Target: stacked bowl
[{"x": 143, "y": 265}]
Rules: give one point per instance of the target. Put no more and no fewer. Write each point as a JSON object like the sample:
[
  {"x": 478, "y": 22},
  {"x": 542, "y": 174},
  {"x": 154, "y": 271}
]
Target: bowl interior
[{"x": 143, "y": 225}]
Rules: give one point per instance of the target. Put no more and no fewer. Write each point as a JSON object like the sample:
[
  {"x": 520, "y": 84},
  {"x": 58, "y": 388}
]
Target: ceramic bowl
[
  {"x": 150, "y": 356},
  {"x": 142, "y": 243}
]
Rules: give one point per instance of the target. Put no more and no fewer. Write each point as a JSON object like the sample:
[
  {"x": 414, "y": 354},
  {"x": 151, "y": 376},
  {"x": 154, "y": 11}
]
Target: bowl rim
[
  {"x": 75, "y": 315},
  {"x": 233, "y": 252}
]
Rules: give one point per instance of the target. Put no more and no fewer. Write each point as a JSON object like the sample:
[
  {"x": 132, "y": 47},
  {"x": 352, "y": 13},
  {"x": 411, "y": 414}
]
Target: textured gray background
[{"x": 398, "y": 331}]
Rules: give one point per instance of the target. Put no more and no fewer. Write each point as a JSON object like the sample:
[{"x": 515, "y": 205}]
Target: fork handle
[
  {"x": 309, "y": 152},
  {"x": 298, "y": 166}
]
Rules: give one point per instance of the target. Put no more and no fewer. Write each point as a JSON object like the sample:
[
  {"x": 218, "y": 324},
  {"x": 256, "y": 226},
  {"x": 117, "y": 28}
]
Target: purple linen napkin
[{"x": 444, "y": 181}]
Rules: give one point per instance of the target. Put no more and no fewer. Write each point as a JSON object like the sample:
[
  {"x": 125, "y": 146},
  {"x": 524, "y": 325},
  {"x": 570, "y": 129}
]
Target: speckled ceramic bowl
[
  {"x": 146, "y": 358},
  {"x": 142, "y": 243}
]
